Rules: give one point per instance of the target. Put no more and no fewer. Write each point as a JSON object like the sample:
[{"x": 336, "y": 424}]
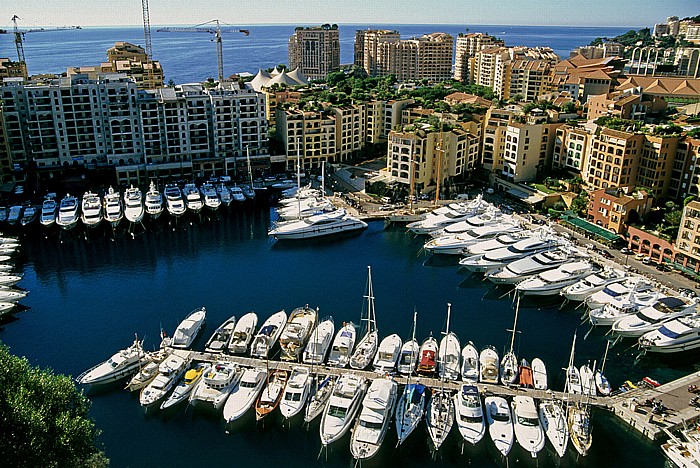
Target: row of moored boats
[{"x": 9, "y": 294}]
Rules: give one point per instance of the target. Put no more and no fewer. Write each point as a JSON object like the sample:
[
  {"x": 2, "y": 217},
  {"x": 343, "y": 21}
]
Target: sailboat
[
  {"x": 409, "y": 410},
  {"x": 440, "y": 416},
  {"x": 509, "y": 363},
  {"x": 553, "y": 421},
  {"x": 573, "y": 376},
  {"x": 409, "y": 352},
  {"x": 367, "y": 347},
  {"x": 449, "y": 354},
  {"x": 601, "y": 382}
]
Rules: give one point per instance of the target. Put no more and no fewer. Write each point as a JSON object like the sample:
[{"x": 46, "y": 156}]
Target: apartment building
[
  {"x": 611, "y": 208},
  {"x": 688, "y": 240},
  {"x": 622, "y": 105},
  {"x": 529, "y": 79},
  {"x": 381, "y": 117},
  {"x": 685, "y": 174},
  {"x": 368, "y": 48},
  {"x": 5, "y": 161},
  {"x": 315, "y": 51},
  {"x": 10, "y": 69},
  {"x": 613, "y": 159},
  {"x": 656, "y": 163},
  {"x": 465, "y": 51},
  {"x": 494, "y": 138},
  {"x": 528, "y": 150},
  {"x": 571, "y": 147},
  {"x": 606, "y": 49},
  {"x": 309, "y": 137}
]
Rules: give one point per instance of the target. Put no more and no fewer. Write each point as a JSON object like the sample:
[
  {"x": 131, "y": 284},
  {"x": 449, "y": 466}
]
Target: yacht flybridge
[
  {"x": 174, "y": 202},
  {"x": 92, "y": 210},
  {"x": 133, "y": 205},
  {"x": 319, "y": 225},
  {"x": 153, "y": 202}
]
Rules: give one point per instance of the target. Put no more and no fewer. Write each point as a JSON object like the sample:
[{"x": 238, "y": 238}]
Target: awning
[
  {"x": 591, "y": 228},
  {"x": 525, "y": 196}
]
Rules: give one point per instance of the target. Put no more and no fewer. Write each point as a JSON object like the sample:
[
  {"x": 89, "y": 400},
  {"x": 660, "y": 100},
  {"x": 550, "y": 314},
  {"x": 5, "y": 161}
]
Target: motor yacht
[
  {"x": 454, "y": 244},
  {"x": 499, "y": 258},
  {"x": 49, "y": 210},
  {"x": 91, "y": 210},
  {"x": 652, "y": 317},
  {"x": 12, "y": 295},
  {"x": 147, "y": 371},
  {"x": 113, "y": 210},
  {"x": 122, "y": 364},
  {"x": 498, "y": 242},
  {"x": 305, "y": 209},
  {"x": 7, "y": 279},
  {"x": 193, "y": 200},
  {"x": 319, "y": 342},
  {"x": 593, "y": 283},
  {"x": 551, "y": 282},
  {"x": 14, "y": 215},
  {"x": 498, "y": 417},
  {"x": 387, "y": 354},
  {"x": 243, "y": 333},
  {"x": 268, "y": 334},
  {"x": 169, "y": 372},
  {"x": 539, "y": 374},
  {"x": 28, "y": 215},
  {"x": 675, "y": 336},
  {"x": 173, "y": 200},
  {"x": 448, "y": 214},
  {"x": 320, "y": 225},
  {"x": 615, "y": 290},
  {"x": 439, "y": 416},
  {"x": 133, "y": 205},
  {"x": 153, "y": 202},
  {"x": 296, "y": 332},
  {"x": 523, "y": 268},
  {"x": 343, "y": 346},
  {"x": 224, "y": 194},
  {"x": 553, "y": 421},
  {"x": 187, "y": 384},
  {"x": 343, "y": 405},
  {"x": 221, "y": 337},
  {"x": 408, "y": 357},
  {"x": 297, "y": 392},
  {"x": 623, "y": 306},
  {"x": 587, "y": 380},
  {"x": 187, "y": 330},
  {"x": 526, "y": 423},
  {"x": 410, "y": 409},
  {"x": 488, "y": 217},
  {"x": 272, "y": 393},
  {"x": 427, "y": 356},
  {"x": 242, "y": 397},
  {"x": 211, "y": 199},
  {"x": 216, "y": 384},
  {"x": 373, "y": 423},
  {"x": 469, "y": 414},
  {"x": 470, "y": 364},
  {"x": 321, "y": 392},
  {"x": 579, "y": 419},
  {"x": 684, "y": 452},
  {"x": 237, "y": 194},
  {"x": 67, "y": 216},
  {"x": 248, "y": 191},
  {"x": 488, "y": 365}
]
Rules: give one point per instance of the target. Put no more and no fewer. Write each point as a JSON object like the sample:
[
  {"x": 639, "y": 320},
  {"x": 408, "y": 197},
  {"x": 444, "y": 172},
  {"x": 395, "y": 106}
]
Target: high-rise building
[
  {"x": 613, "y": 159},
  {"x": 315, "y": 51},
  {"x": 467, "y": 47},
  {"x": 368, "y": 50},
  {"x": 10, "y": 69}
]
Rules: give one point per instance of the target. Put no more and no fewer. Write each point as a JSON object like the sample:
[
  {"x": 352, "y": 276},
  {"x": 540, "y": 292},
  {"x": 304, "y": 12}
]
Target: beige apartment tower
[{"x": 315, "y": 51}]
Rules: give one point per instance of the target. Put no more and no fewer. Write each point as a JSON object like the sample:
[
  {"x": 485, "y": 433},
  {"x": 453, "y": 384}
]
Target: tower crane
[
  {"x": 147, "y": 39},
  {"x": 211, "y": 27},
  {"x": 19, "y": 36}
]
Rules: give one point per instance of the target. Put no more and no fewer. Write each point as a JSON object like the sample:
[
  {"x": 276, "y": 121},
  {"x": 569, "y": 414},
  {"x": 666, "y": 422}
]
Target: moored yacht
[
  {"x": 193, "y": 200},
  {"x": 169, "y": 372},
  {"x": 296, "y": 332},
  {"x": 373, "y": 422},
  {"x": 321, "y": 392},
  {"x": 539, "y": 374},
  {"x": 211, "y": 199},
  {"x": 67, "y": 216},
  {"x": 367, "y": 347},
  {"x": 675, "y": 336},
  {"x": 14, "y": 215},
  {"x": 305, "y": 208},
  {"x": 526, "y": 422},
  {"x": 454, "y": 244},
  {"x": 498, "y": 417},
  {"x": 272, "y": 393},
  {"x": 173, "y": 199},
  {"x": 49, "y": 210},
  {"x": 427, "y": 356},
  {"x": 408, "y": 357},
  {"x": 319, "y": 342},
  {"x": 488, "y": 365},
  {"x": 187, "y": 330},
  {"x": 409, "y": 410},
  {"x": 521, "y": 269},
  {"x": 387, "y": 354},
  {"x": 342, "y": 407},
  {"x": 343, "y": 345},
  {"x": 153, "y": 202},
  {"x": 237, "y": 194},
  {"x": 553, "y": 421},
  {"x": 498, "y": 242},
  {"x": 631, "y": 284},
  {"x": 449, "y": 353},
  {"x": 221, "y": 337},
  {"x": 325, "y": 224},
  {"x": 469, "y": 414},
  {"x": 551, "y": 282},
  {"x": 224, "y": 194},
  {"x": 133, "y": 205},
  {"x": 186, "y": 386},
  {"x": 498, "y": 258},
  {"x": 623, "y": 306},
  {"x": 296, "y": 392},
  {"x": 267, "y": 335},
  {"x": 92, "y": 210},
  {"x": 448, "y": 214},
  {"x": 28, "y": 215},
  {"x": 439, "y": 416},
  {"x": 592, "y": 283},
  {"x": 120, "y": 365},
  {"x": 579, "y": 419},
  {"x": 216, "y": 384},
  {"x": 652, "y": 317},
  {"x": 243, "y": 333},
  {"x": 470, "y": 364},
  {"x": 241, "y": 398},
  {"x": 113, "y": 210}
]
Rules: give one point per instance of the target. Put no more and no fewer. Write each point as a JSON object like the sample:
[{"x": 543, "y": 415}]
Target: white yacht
[
  {"x": 551, "y": 282},
  {"x": 623, "y": 306},
  {"x": 428, "y": 356},
  {"x": 193, "y": 200},
  {"x": 685, "y": 452},
  {"x": 343, "y": 346},
  {"x": 373, "y": 422},
  {"x": 609, "y": 293},
  {"x": 319, "y": 342},
  {"x": 242, "y": 397},
  {"x": 8, "y": 279},
  {"x": 268, "y": 334},
  {"x": 28, "y": 215},
  {"x": 342, "y": 407},
  {"x": 469, "y": 414},
  {"x": 173, "y": 200},
  {"x": 305, "y": 209},
  {"x": 387, "y": 354},
  {"x": 11, "y": 295},
  {"x": 133, "y": 205},
  {"x": 587, "y": 380},
  {"x": 523, "y": 268},
  {"x": 490, "y": 216},
  {"x": 67, "y": 216},
  {"x": 498, "y": 242},
  {"x": 553, "y": 421},
  {"x": 321, "y": 393},
  {"x": 470, "y": 364},
  {"x": 113, "y": 210},
  {"x": 153, "y": 202},
  {"x": 573, "y": 380},
  {"x": 224, "y": 194},
  {"x": 454, "y": 244},
  {"x": 169, "y": 372},
  {"x": 92, "y": 210},
  {"x": 237, "y": 194},
  {"x": 652, "y": 317},
  {"x": 122, "y": 364},
  {"x": 366, "y": 348},
  {"x": 408, "y": 357},
  {"x": 498, "y": 417},
  {"x": 14, "y": 215},
  {"x": 320, "y": 225},
  {"x": 593, "y": 283},
  {"x": 449, "y": 353},
  {"x": 675, "y": 336},
  {"x": 186, "y": 386},
  {"x": 539, "y": 374},
  {"x": 49, "y": 210},
  {"x": 448, "y": 214},
  {"x": 216, "y": 384},
  {"x": 296, "y": 392},
  {"x": 296, "y": 332},
  {"x": 211, "y": 199},
  {"x": 526, "y": 422},
  {"x": 488, "y": 365},
  {"x": 439, "y": 416},
  {"x": 187, "y": 330},
  {"x": 409, "y": 410},
  {"x": 243, "y": 333},
  {"x": 220, "y": 338},
  {"x": 498, "y": 258}
]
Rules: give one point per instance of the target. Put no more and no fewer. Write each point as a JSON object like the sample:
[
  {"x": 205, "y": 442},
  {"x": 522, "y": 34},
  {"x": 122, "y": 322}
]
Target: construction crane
[
  {"x": 147, "y": 39},
  {"x": 211, "y": 27},
  {"x": 19, "y": 36}
]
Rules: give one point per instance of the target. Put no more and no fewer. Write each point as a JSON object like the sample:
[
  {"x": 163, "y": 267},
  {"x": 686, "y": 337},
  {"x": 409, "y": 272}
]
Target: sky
[{"x": 633, "y": 13}]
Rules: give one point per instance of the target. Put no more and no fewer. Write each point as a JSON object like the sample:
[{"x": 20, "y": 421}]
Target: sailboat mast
[
  {"x": 298, "y": 179},
  {"x": 515, "y": 322},
  {"x": 371, "y": 319},
  {"x": 449, "y": 310},
  {"x": 413, "y": 337},
  {"x": 573, "y": 346},
  {"x": 250, "y": 172},
  {"x": 323, "y": 178},
  {"x": 605, "y": 356}
]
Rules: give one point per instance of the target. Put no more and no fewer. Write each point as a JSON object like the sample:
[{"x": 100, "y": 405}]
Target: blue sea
[{"x": 191, "y": 57}]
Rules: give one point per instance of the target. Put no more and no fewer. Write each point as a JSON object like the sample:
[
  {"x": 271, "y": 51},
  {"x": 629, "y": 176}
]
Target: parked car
[
  {"x": 640, "y": 256},
  {"x": 606, "y": 254},
  {"x": 661, "y": 267},
  {"x": 625, "y": 251},
  {"x": 646, "y": 260}
]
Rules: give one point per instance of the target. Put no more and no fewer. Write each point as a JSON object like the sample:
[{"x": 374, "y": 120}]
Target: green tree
[
  {"x": 688, "y": 199},
  {"x": 579, "y": 205},
  {"x": 673, "y": 217},
  {"x": 44, "y": 418}
]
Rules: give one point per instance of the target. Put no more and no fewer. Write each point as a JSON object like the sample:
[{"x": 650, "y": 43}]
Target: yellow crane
[{"x": 211, "y": 27}]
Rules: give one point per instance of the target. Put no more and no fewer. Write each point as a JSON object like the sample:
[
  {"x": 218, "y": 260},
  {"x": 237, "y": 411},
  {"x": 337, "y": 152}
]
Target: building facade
[
  {"x": 612, "y": 208},
  {"x": 465, "y": 50},
  {"x": 315, "y": 51}
]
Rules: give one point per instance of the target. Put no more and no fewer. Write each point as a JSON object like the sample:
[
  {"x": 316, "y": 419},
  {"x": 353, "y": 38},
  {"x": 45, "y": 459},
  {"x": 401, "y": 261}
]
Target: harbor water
[{"x": 89, "y": 297}]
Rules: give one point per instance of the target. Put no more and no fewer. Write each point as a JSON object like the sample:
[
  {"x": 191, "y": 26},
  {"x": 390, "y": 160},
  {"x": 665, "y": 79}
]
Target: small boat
[
  {"x": 439, "y": 416},
  {"x": 387, "y": 354},
  {"x": 92, "y": 210},
  {"x": 553, "y": 421},
  {"x": 12, "y": 295},
  {"x": 49, "y": 210},
  {"x": 29, "y": 215},
  {"x": 321, "y": 392},
  {"x": 410, "y": 410},
  {"x": 587, "y": 380},
  {"x": 14, "y": 215},
  {"x": 601, "y": 382},
  {"x": 237, "y": 194},
  {"x": 508, "y": 371},
  {"x": 319, "y": 342},
  {"x": 488, "y": 365},
  {"x": 449, "y": 353},
  {"x": 242, "y": 397},
  {"x": 296, "y": 332},
  {"x": 169, "y": 372},
  {"x": 367, "y": 347},
  {"x": 67, "y": 216},
  {"x": 342, "y": 407},
  {"x": 113, "y": 210},
  {"x": 373, "y": 423},
  {"x": 184, "y": 388},
  {"x": 498, "y": 417},
  {"x": 243, "y": 333},
  {"x": 579, "y": 419},
  {"x": 408, "y": 357},
  {"x": 211, "y": 199},
  {"x": 248, "y": 192},
  {"x": 186, "y": 332},
  {"x": 526, "y": 423},
  {"x": 271, "y": 395},
  {"x": 573, "y": 381},
  {"x": 122, "y": 364},
  {"x": 173, "y": 200},
  {"x": 539, "y": 374},
  {"x": 224, "y": 194},
  {"x": 216, "y": 384},
  {"x": 525, "y": 376},
  {"x": 220, "y": 338},
  {"x": 469, "y": 414},
  {"x": 147, "y": 372},
  {"x": 3, "y": 214},
  {"x": 267, "y": 335},
  {"x": 133, "y": 205},
  {"x": 470, "y": 364},
  {"x": 6, "y": 307},
  {"x": 427, "y": 356},
  {"x": 193, "y": 200},
  {"x": 153, "y": 202},
  {"x": 343, "y": 345},
  {"x": 297, "y": 392}
]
